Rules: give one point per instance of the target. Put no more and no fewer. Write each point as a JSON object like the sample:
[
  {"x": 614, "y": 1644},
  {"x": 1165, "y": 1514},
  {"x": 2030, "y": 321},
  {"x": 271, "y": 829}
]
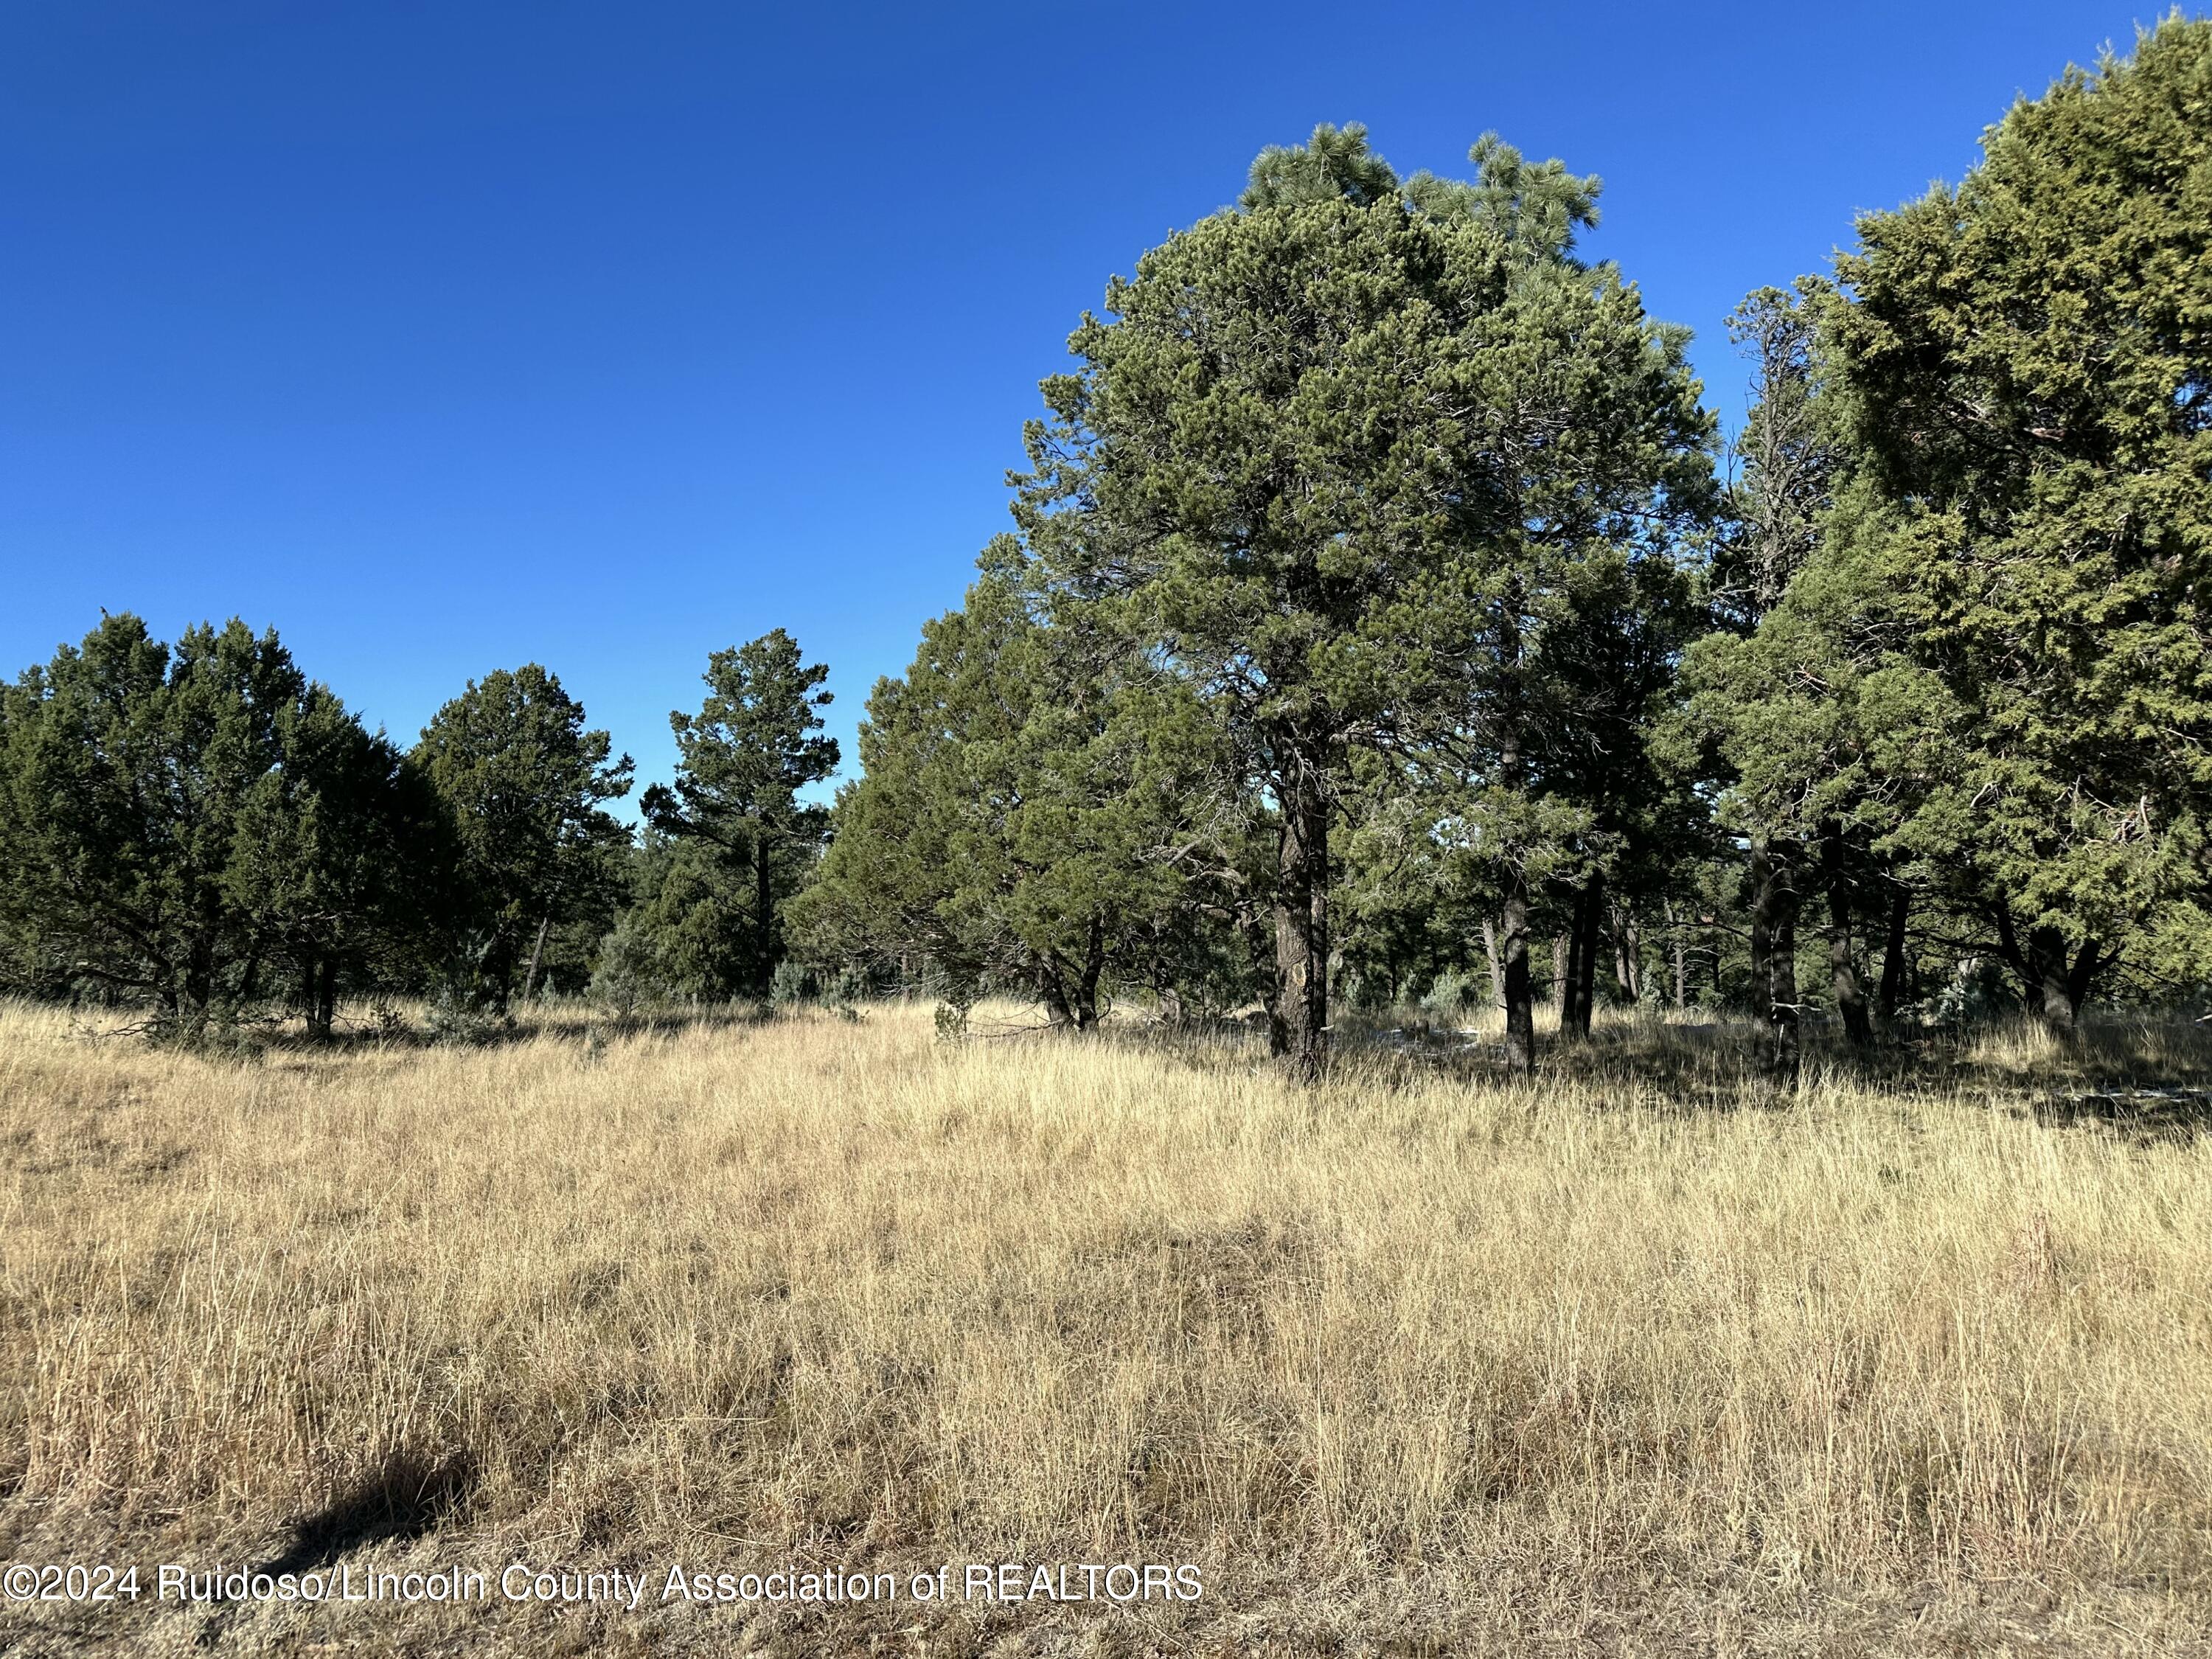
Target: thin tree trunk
[
  {"x": 1560, "y": 966},
  {"x": 1497, "y": 963},
  {"x": 763, "y": 908},
  {"x": 1762, "y": 926},
  {"x": 1681, "y": 959},
  {"x": 311, "y": 1004},
  {"x": 1570, "y": 980},
  {"x": 1627, "y": 954},
  {"x": 1086, "y": 986},
  {"x": 1783, "y": 1013},
  {"x": 1850, "y": 999},
  {"x": 1892, "y": 994},
  {"x": 1582, "y": 958},
  {"x": 1301, "y": 928},
  {"x": 1515, "y": 995},
  {"x": 327, "y": 998},
  {"x": 1593, "y": 929},
  {"x": 1520, "y": 1003},
  {"x": 1774, "y": 955},
  {"x": 536, "y": 955}
]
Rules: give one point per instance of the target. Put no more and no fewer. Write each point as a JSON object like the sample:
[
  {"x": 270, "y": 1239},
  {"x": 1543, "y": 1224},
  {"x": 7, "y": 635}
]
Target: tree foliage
[
  {"x": 2029, "y": 360},
  {"x": 736, "y": 815},
  {"x": 522, "y": 780},
  {"x": 196, "y": 826}
]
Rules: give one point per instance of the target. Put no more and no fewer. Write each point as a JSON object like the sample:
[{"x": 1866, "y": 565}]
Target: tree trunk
[
  {"x": 1582, "y": 958},
  {"x": 1850, "y": 999},
  {"x": 1762, "y": 925},
  {"x": 1593, "y": 930},
  {"x": 1892, "y": 994},
  {"x": 764, "y": 908},
  {"x": 2056, "y": 986},
  {"x": 1570, "y": 980},
  {"x": 1517, "y": 996},
  {"x": 1052, "y": 991},
  {"x": 1086, "y": 999},
  {"x": 1497, "y": 963},
  {"x": 327, "y": 998},
  {"x": 536, "y": 955},
  {"x": 1301, "y": 1028},
  {"x": 1682, "y": 953},
  {"x": 311, "y": 1001},
  {"x": 1560, "y": 963},
  {"x": 1774, "y": 951},
  {"x": 1627, "y": 955}
]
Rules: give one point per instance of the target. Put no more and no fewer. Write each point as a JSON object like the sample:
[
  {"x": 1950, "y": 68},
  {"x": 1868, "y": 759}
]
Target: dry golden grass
[{"x": 1415, "y": 1362}]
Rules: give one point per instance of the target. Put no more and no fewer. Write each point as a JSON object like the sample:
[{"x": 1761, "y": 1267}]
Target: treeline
[
  {"x": 1383, "y": 618},
  {"x": 1382, "y": 611},
  {"x": 202, "y": 832}
]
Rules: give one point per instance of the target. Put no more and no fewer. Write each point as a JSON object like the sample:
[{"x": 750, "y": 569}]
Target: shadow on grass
[
  {"x": 576, "y": 1025},
  {"x": 2147, "y": 1116},
  {"x": 409, "y": 1496},
  {"x": 2138, "y": 1073}
]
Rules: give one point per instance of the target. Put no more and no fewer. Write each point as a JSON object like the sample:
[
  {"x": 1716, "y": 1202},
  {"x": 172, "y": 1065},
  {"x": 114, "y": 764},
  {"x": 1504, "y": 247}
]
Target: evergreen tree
[
  {"x": 1028, "y": 818},
  {"x": 186, "y": 827},
  {"x": 1774, "y": 690},
  {"x": 743, "y": 761},
  {"x": 2029, "y": 360},
  {"x": 1333, "y": 457},
  {"x": 522, "y": 778}
]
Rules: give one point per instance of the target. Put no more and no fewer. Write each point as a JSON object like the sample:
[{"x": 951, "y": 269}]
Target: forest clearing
[
  {"x": 1651, "y": 1355},
  {"x": 1481, "y": 922}
]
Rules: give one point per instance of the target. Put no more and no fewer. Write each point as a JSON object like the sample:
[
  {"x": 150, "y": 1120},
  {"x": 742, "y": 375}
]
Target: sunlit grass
[{"x": 806, "y": 1285}]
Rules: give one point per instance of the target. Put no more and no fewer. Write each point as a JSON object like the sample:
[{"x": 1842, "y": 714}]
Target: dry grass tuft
[{"x": 1417, "y": 1358}]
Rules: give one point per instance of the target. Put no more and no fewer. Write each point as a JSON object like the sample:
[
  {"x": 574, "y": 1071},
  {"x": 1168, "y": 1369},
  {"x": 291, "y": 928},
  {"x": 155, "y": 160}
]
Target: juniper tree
[
  {"x": 522, "y": 780},
  {"x": 2028, "y": 358},
  {"x": 187, "y": 827},
  {"x": 1033, "y": 813}
]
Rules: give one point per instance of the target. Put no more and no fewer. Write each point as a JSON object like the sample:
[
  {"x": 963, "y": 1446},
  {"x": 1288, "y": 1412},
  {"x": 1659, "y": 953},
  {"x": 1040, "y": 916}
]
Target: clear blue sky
[{"x": 445, "y": 337}]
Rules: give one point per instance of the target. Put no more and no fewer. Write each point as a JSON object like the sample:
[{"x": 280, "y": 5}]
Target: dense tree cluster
[
  {"x": 1383, "y": 618},
  {"x": 1401, "y": 530}
]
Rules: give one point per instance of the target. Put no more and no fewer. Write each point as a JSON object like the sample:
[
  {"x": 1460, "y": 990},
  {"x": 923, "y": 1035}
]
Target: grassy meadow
[{"x": 1649, "y": 1357}]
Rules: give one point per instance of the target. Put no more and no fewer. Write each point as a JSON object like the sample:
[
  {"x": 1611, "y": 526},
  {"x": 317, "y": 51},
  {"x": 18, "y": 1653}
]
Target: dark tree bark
[
  {"x": 1052, "y": 991},
  {"x": 2055, "y": 979},
  {"x": 1851, "y": 999},
  {"x": 326, "y": 996},
  {"x": 1681, "y": 956},
  {"x": 1519, "y": 994},
  {"x": 1571, "y": 982},
  {"x": 1085, "y": 999},
  {"x": 764, "y": 908},
  {"x": 1593, "y": 933},
  {"x": 1892, "y": 994},
  {"x": 536, "y": 955},
  {"x": 1774, "y": 954},
  {"x": 1762, "y": 925},
  {"x": 311, "y": 1000},
  {"x": 1627, "y": 955},
  {"x": 1582, "y": 958},
  {"x": 1515, "y": 993},
  {"x": 1300, "y": 1027}
]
